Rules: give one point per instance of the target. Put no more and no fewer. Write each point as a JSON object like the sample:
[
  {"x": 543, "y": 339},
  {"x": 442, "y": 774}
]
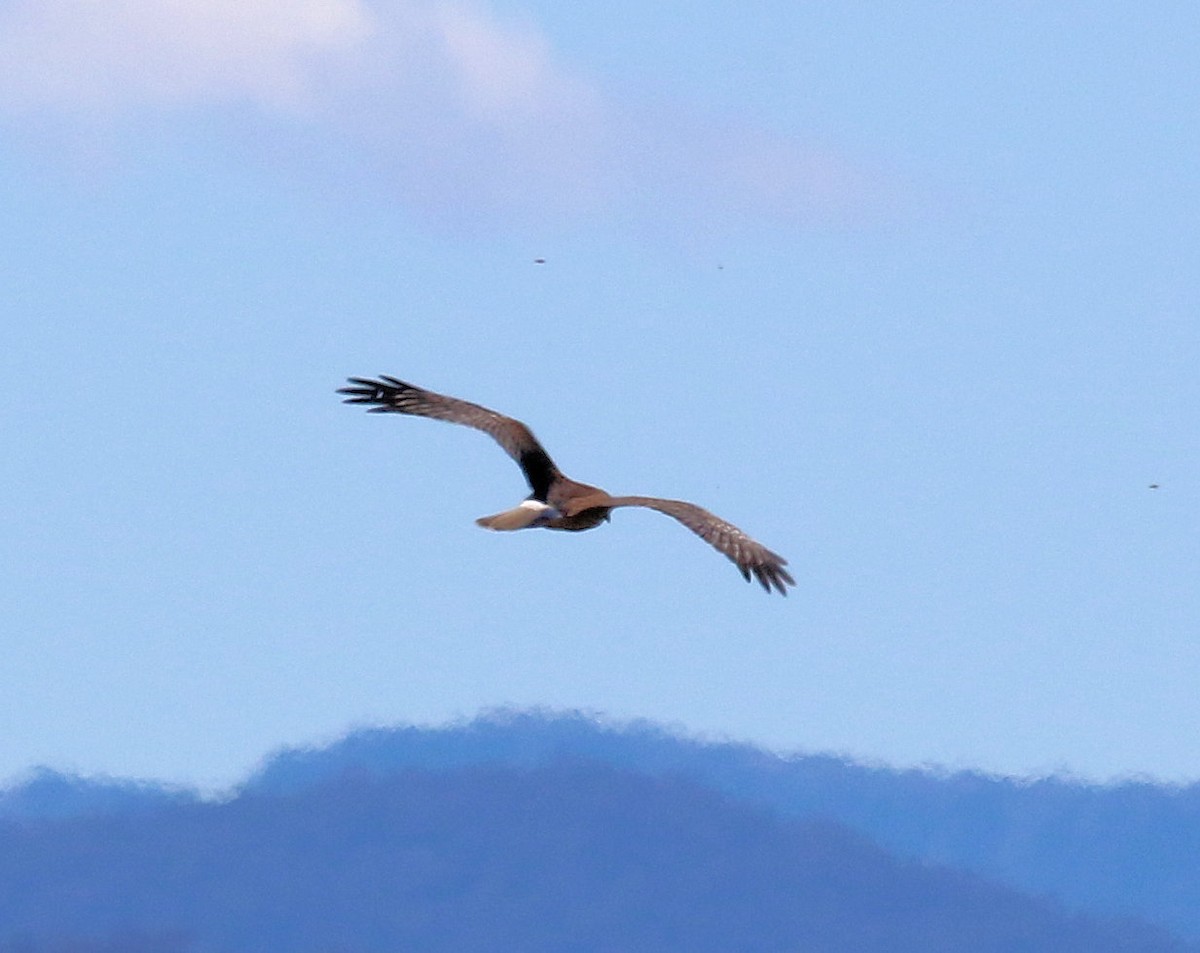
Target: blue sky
[{"x": 909, "y": 292}]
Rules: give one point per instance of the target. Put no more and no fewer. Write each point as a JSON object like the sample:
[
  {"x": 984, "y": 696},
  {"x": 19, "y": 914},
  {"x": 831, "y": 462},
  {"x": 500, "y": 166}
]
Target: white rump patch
[{"x": 528, "y": 513}]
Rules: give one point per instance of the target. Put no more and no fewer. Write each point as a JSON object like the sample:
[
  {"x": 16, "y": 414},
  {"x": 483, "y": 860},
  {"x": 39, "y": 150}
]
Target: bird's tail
[{"x": 530, "y": 513}]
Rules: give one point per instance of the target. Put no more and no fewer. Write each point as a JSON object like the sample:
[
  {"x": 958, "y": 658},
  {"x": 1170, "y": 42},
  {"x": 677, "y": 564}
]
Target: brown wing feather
[
  {"x": 751, "y": 557},
  {"x": 389, "y": 395}
]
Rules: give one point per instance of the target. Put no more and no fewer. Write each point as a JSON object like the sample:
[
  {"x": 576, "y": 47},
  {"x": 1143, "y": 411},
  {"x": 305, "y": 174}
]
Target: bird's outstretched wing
[
  {"x": 751, "y": 557},
  {"x": 390, "y": 396}
]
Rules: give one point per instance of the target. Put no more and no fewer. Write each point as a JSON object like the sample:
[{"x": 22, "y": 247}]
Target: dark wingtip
[
  {"x": 368, "y": 391},
  {"x": 770, "y": 575}
]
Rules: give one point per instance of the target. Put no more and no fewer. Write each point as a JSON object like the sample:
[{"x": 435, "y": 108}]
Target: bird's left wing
[
  {"x": 391, "y": 396},
  {"x": 751, "y": 557}
]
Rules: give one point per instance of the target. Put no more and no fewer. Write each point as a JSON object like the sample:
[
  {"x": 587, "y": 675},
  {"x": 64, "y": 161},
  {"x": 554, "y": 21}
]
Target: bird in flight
[{"x": 557, "y": 501}]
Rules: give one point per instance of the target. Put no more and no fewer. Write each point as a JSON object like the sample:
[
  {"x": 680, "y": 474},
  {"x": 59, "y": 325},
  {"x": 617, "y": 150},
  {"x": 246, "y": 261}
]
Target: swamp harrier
[{"x": 556, "y": 501}]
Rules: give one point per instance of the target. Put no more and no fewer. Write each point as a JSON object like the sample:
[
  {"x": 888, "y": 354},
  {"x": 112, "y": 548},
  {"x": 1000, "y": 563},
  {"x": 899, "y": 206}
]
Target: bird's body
[{"x": 556, "y": 501}]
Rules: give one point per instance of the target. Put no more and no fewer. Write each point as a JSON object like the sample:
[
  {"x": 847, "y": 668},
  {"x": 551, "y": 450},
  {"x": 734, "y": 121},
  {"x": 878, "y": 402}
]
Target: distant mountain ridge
[
  {"x": 51, "y": 794},
  {"x": 1131, "y": 848},
  {"x": 564, "y": 857},
  {"x": 1127, "y": 849}
]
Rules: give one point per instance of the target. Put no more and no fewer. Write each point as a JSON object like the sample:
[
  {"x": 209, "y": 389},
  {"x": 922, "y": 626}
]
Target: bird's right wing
[
  {"x": 390, "y": 396},
  {"x": 750, "y": 556}
]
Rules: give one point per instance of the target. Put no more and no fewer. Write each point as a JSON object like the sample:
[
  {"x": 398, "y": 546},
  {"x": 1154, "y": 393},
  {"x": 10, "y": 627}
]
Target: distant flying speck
[
  {"x": 558, "y": 502},
  {"x": 539, "y": 261},
  {"x": 1154, "y": 486}
]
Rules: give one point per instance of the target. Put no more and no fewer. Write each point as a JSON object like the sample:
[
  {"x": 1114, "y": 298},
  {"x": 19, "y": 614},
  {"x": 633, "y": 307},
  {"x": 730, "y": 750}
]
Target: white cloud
[
  {"x": 115, "y": 55},
  {"x": 435, "y": 102},
  {"x": 501, "y": 72}
]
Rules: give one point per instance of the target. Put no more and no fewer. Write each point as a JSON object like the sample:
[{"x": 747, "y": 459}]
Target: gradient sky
[{"x": 910, "y": 292}]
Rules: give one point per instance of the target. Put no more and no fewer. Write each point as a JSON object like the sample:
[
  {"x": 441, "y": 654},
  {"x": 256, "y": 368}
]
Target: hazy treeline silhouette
[
  {"x": 1126, "y": 848},
  {"x": 536, "y": 832}
]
